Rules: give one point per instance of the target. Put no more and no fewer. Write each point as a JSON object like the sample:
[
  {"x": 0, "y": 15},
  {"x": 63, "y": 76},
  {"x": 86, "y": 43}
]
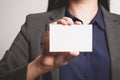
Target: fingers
[
  {"x": 62, "y": 21},
  {"x": 65, "y": 21},
  {"x": 68, "y": 20},
  {"x": 78, "y": 23},
  {"x": 62, "y": 58},
  {"x": 71, "y": 55},
  {"x": 74, "y": 53},
  {"x": 47, "y": 60}
]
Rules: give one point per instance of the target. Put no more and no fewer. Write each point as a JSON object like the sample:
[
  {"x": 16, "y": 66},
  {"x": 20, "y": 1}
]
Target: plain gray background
[{"x": 13, "y": 14}]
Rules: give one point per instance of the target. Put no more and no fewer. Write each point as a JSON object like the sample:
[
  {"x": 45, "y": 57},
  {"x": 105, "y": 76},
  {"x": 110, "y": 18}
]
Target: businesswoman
[{"x": 29, "y": 58}]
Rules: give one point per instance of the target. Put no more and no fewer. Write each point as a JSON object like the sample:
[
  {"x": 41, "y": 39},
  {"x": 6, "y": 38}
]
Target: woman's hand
[{"x": 50, "y": 60}]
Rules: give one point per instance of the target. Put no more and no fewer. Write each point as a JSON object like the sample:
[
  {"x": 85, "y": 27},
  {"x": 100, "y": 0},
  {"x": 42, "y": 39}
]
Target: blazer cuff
[{"x": 20, "y": 73}]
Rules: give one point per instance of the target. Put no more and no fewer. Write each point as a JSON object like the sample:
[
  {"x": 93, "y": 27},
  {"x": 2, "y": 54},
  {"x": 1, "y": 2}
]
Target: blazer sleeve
[{"x": 13, "y": 66}]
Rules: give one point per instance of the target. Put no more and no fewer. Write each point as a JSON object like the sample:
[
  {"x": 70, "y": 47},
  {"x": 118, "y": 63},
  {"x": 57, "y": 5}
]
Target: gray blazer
[{"x": 27, "y": 45}]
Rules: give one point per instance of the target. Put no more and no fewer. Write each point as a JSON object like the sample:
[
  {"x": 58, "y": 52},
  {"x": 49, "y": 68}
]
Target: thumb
[
  {"x": 74, "y": 53},
  {"x": 78, "y": 23}
]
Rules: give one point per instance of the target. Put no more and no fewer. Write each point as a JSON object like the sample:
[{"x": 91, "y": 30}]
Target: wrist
[{"x": 31, "y": 72}]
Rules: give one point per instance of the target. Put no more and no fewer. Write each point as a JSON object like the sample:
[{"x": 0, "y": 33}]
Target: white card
[{"x": 65, "y": 38}]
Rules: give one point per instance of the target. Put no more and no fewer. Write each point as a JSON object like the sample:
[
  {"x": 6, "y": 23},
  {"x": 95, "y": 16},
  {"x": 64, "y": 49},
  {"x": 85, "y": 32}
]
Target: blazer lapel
[{"x": 113, "y": 38}]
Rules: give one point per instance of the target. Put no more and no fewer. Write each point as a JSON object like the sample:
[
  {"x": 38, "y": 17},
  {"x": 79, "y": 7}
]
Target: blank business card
[{"x": 65, "y": 38}]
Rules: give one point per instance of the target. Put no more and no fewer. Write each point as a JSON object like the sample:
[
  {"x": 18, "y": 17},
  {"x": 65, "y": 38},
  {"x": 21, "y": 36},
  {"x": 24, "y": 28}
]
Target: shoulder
[
  {"x": 112, "y": 17},
  {"x": 47, "y": 16},
  {"x": 115, "y": 17},
  {"x": 37, "y": 20},
  {"x": 38, "y": 16}
]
